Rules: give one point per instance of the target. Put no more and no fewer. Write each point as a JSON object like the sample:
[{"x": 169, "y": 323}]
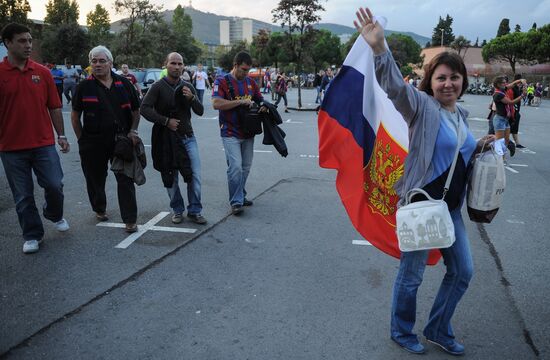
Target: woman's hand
[
  {"x": 484, "y": 143},
  {"x": 372, "y": 32}
]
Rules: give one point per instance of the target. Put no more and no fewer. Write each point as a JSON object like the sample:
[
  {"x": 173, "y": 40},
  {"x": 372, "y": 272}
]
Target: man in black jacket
[
  {"x": 109, "y": 107},
  {"x": 168, "y": 105}
]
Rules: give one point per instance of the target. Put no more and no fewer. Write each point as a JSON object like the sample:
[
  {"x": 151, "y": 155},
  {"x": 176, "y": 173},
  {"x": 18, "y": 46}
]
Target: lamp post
[{"x": 442, "y": 30}]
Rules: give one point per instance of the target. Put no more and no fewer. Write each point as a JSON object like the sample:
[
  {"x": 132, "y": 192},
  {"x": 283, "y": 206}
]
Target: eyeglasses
[{"x": 100, "y": 61}]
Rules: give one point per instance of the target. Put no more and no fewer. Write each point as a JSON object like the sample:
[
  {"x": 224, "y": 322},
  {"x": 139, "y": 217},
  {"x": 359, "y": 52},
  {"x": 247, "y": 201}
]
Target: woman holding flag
[{"x": 433, "y": 117}]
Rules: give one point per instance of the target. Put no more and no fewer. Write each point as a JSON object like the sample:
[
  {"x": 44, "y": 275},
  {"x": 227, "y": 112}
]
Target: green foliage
[
  {"x": 297, "y": 18},
  {"x": 99, "y": 26},
  {"x": 325, "y": 49},
  {"x": 406, "y": 70},
  {"x": 517, "y": 28},
  {"x": 512, "y": 48},
  {"x": 143, "y": 37},
  {"x": 13, "y": 11},
  {"x": 67, "y": 42},
  {"x": 349, "y": 44},
  {"x": 258, "y": 48},
  {"x": 428, "y": 44},
  {"x": 534, "y": 27},
  {"x": 404, "y": 49},
  {"x": 225, "y": 60},
  {"x": 460, "y": 44},
  {"x": 60, "y": 12},
  {"x": 504, "y": 27},
  {"x": 539, "y": 44},
  {"x": 276, "y": 50},
  {"x": 185, "y": 44},
  {"x": 443, "y": 26}
]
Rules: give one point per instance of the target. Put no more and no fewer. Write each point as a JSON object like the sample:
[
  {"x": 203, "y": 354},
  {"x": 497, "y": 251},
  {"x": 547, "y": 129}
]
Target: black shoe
[
  {"x": 287, "y": 111},
  {"x": 512, "y": 148},
  {"x": 519, "y": 146},
  {"x": 197, "y": 218},
  {"x": 247, "y": 202},
  {"x": 236, "y": 209}
]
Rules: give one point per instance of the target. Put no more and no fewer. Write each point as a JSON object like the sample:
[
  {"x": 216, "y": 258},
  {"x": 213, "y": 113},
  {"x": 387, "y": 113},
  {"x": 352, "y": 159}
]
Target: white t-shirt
[{"x": 200, "y": 78}]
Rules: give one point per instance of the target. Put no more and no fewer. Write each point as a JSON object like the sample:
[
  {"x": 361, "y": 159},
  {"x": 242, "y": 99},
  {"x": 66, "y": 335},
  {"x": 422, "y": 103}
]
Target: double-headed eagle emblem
[{"x": 382, "y": 172}]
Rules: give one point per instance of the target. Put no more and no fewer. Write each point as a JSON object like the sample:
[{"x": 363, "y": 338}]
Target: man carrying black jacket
[{"x": 168, "y": 105}]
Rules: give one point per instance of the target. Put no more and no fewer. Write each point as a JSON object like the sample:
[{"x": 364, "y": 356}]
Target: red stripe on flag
[{"x": 370, "y": 204}]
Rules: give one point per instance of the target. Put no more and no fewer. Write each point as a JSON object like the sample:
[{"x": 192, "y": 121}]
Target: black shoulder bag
[{"x": 250, "y": 118}]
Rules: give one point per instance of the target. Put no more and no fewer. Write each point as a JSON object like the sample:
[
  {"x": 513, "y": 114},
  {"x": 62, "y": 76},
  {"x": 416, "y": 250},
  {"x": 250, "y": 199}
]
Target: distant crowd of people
[{"x": 106, "y": 110}]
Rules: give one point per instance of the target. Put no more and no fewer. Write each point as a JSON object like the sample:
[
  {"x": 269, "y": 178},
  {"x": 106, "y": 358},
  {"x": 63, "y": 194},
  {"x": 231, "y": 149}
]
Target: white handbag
[
  {"x": 427, "y": 224},
  {"x": 486, "y": 186}
]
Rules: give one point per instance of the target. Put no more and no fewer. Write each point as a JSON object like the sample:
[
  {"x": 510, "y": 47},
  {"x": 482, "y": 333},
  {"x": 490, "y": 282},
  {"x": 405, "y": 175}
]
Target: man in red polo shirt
[{"x": 29, "y": 105}]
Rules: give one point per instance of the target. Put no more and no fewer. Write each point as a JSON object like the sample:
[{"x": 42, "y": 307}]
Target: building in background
[{"x": 236, "y": 29}]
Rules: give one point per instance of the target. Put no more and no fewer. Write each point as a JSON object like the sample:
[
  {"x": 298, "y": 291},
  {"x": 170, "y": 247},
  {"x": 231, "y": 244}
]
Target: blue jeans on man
[
  {"x": 238, "y": 154},
  {"x": 177, "y": 204},
  {"x": 19, "y": 166},
  {"x": 200, "y": 94},
  {"x": 318, "y": 98},
  {"x": 458, "y": 260}
]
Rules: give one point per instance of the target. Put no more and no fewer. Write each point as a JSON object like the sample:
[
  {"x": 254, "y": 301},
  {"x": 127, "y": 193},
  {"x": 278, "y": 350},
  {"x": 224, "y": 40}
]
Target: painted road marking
[
  {"x": 361, "y": 242},
  {"x": 515, "y": 222},
  {"x": 519, "y": 165},
  {"x": 289, "y": 121},
  {"x": 526, "y": 151},
  {"x": 309, "y": 156},
  {"x": 263, "y": 151},
  {"x": 142, "y": 229},
  {"x": 512, "y": 170},
  {"x": 477, "y": 119}
]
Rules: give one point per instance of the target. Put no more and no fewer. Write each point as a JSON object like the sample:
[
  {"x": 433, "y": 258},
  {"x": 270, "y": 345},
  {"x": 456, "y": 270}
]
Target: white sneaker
[
  {"x": 31, "y": 246},
  {"x": 62, "y": 225}
]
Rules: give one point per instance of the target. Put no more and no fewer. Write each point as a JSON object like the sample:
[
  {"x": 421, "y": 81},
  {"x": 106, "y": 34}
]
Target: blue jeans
[
  {"x": 44, "y": 162},
  {"x": 238, "y": 153},
  {"x": 500, "y": 123},
  {"x": 194, "y": 187},
  {"x": 200, "y": 94},
  {"x": 318, "y": 98},
  {"x": 458, "y": 261}
]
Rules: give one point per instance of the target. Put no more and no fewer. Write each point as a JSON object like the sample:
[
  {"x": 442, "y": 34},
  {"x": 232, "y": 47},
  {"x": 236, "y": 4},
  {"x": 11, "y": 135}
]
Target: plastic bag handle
[{"x": 415, "y": 191}]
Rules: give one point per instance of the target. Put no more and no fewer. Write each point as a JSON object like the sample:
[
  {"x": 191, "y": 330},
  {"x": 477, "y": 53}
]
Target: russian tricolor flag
[{"x": 365, "y": 139}]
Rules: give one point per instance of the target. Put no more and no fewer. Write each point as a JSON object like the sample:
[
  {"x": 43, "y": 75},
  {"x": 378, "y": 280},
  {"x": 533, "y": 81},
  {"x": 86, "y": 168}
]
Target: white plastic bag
[{"x": 486, "y": 186}]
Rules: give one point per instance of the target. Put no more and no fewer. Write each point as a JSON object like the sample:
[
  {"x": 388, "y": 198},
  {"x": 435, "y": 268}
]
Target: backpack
[{"x": 510, "y": 110}]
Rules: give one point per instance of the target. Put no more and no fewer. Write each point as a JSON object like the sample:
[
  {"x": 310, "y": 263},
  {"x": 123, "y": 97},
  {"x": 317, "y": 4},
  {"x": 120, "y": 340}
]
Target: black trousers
[
  {"x": 60, "y": 91},
  {"x": 94, "y": 158}
]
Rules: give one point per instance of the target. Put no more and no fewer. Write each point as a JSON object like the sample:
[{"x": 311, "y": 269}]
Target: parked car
[{"x": 146, "y": 77}]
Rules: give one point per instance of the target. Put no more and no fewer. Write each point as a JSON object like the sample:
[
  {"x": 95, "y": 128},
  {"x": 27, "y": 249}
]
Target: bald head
[{"x": 174, "y": 65}]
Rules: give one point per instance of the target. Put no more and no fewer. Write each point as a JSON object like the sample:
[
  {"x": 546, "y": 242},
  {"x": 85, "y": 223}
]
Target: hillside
[{"x": 206, "y": 26}]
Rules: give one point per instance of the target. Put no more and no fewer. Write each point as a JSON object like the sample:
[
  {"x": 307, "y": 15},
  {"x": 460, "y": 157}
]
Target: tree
[
  {"x": 68, "y": 42},
  {"x": 428, "y": 44},
  {"x": 517, "y": 28},
  {"x": 182, "y": 27},
  {"x": 477, "y": 42},
  {"x": 539, "y": 44},
  {"x": 534, "y": 26},
  {"x": 99, "y": 26},
  {"x": 512, "y": 48},
  {"x": 297, "y": 18},
  {"x": 404, "y": 50},
  {"x": 225, "y": 60},
  {"x": 349, "y": 44},
  {"x": 459, "y": 44},
  {"x": 483, "y": 43},
  {"x": 504, "y": 27},
  {"x": 257, "y": 49},
  {"x": 13, "y": 11},
  {"x": 137, "y": 33},
  {"x": 443, "y": 27},
  {"x": 60, "y": 12},
  {"x": 325, "y": 49},
  {"x": 275, "y": 50}
]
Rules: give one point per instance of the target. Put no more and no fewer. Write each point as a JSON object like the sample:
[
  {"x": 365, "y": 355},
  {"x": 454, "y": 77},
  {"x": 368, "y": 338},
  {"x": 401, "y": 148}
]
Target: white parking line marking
[
  {"x": 309, "y": 156},
  {"x": 512, "y": 170},
  {"x": 289, "y": 121},
  {"x": 527, "y": 151},
  {"x": 519, "y": 165},
  {"x": 515, "y": 222},
  {"x": 263, "y": 151},
  {"x": 361, "y": 242},
  {"x": 142, "y": 229},
  {"x": 477, "y": 119}
]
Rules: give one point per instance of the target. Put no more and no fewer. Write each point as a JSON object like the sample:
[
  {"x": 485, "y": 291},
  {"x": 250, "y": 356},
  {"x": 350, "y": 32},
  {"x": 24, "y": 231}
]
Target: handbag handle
[{"x": 415, "y": 191}]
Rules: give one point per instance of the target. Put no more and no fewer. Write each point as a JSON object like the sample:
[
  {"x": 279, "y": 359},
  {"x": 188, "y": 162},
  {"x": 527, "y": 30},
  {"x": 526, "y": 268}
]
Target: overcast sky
[{"x": 472, "y": 18}]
